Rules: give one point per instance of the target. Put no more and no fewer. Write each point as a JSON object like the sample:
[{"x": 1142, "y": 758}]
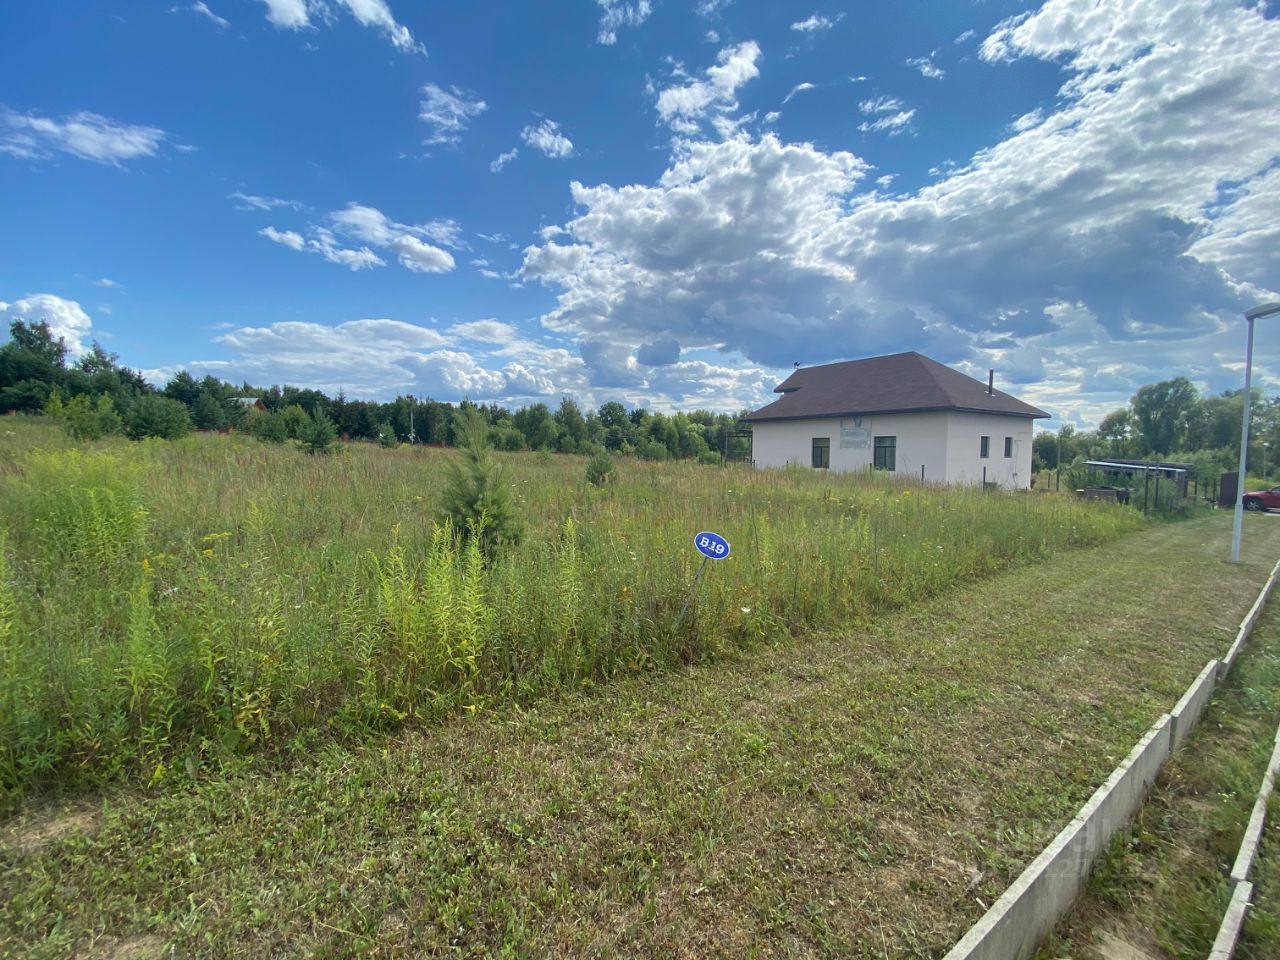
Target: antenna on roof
[{"x": 796, "y": 364}]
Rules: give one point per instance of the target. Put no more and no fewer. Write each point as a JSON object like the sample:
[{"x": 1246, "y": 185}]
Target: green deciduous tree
[{"x": 1163, "y": 412}]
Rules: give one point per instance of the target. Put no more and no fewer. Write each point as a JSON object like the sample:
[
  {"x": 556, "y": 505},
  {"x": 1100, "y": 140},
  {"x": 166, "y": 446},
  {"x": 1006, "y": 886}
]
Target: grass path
[
  {"x": 1162, "y": 889},
  {"x": 862, "y": 795}
]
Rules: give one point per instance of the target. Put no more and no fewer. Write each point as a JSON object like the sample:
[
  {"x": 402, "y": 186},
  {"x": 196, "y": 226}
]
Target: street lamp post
[
  {"x": 411, "y": 435},
  {"x": 1265, "y": 445},
  {"x": 1257, "y": 313}
]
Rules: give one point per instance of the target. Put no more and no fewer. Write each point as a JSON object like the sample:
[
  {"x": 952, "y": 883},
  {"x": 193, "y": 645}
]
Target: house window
[
  {"x": 1008, "y": 446},
  {"x": 821, "y": 453},
  {"x": 984, "y": 446},
  {"x": 886, "y": 453}
]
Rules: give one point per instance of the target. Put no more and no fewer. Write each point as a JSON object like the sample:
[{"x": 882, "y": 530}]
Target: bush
[
  {"x": 387, "y": 437},
  {"x": 600, "y": 468},
  {"x": 207, "y": 412},
  {"x": 652, "y": 450},
  {"x": 270, "y": 427},
  {"x": 507, "y": 438},
  {"x": 295, "y": 421},
  {"x": 318, "y": 433},
  {"x": 477, "y": 495},
  {"x": 710, "y": 458},
  {"x": 153, "y": 415},
  {"x": 86, "y": 421}
]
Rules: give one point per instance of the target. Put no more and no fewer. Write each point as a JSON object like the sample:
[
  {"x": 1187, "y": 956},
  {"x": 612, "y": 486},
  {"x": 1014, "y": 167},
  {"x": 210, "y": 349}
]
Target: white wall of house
[
  {"x": 965, "y": 464},
  {"x": 945, "y": 444},
  {"x": 920, "y": 440}
]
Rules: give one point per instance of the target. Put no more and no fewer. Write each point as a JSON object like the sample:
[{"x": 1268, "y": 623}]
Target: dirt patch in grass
[
  {"x": 27, "y": 834},
  {"x": 145, "y": 947},
  {"x": 859, "y": 795}
]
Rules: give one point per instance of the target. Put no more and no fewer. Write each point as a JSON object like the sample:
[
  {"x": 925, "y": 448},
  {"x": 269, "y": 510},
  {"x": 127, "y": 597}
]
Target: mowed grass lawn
[
  {"x": 1163, "y": 886},
  {"x": 864, "y": 793}
]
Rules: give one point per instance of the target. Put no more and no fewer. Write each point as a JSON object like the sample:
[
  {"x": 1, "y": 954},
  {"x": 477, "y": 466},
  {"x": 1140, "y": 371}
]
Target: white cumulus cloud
[
  {"x": 299, "y": 14},
  {"x": 448, "y": 112},
  {"x": 684, "y": 106},
  {"x": 247, "y": 201},
  {"x": 502, "y": 159},
  {"x": 798, "y": 88},
  {"x": 371, "y": 227},
  {"x": 1108, "y": 241},
  {"x": 87, "y": 135},
  {"x": 380, "y": 358},
  {"x": 816, "y": 23},
  {"x": 927, "y": 67},
  {"x": 547, "y": 138},
  {"x": 66, "y": 318},
  {"x": 618, "y": 13},
  {"x": 203, "y": 10}
]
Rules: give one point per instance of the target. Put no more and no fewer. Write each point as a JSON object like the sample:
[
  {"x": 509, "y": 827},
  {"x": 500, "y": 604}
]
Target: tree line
[
  {"x": 1172, "y": 421},
  {"x": 96, "y": 395}
]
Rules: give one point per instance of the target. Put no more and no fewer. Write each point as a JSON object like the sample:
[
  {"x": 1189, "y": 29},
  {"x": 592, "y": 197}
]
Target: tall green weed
[{"x": 213, "y": 595}]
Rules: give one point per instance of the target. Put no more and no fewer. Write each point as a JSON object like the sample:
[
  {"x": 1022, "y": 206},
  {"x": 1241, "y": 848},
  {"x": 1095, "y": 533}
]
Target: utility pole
[
  {"x": 411, "y": 436},
  {"x": 1058, "y": 459}
]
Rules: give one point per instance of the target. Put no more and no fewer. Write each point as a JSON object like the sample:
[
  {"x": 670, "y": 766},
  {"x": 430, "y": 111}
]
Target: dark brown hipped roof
[{"x": 901, "y": 383}]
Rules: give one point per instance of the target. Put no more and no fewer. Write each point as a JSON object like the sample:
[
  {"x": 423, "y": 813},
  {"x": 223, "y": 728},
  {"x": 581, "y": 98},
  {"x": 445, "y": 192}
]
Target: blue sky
[{"x": 665, "y": 202}]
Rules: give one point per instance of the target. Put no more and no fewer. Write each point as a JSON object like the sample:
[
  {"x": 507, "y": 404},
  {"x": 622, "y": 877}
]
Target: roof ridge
[
  {"x": 933, "y": 374},
  {"x": 894, "y": 383}
]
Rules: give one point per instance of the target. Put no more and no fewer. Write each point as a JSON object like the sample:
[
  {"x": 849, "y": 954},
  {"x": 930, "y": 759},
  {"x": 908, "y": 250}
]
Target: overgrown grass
[
  {"x": 168, "y": 602},
  {"x": 865, "y": 794}
]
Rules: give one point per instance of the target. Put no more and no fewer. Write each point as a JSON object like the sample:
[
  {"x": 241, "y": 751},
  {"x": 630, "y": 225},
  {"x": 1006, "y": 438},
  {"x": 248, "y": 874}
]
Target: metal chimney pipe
[{"x": 991, "y": 382}]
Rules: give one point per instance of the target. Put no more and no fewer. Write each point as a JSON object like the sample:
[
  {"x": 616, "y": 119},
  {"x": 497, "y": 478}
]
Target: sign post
[{"x": 712, "y": 546}]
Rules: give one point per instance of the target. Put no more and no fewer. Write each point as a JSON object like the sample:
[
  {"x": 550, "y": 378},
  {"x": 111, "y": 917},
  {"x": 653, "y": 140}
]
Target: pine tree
[{"x": 477, "y": 495}]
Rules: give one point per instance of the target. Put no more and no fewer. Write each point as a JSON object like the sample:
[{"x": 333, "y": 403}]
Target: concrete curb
[
  {"x": 1015, "y": 924},
  {"x": 1047, "y": 888},
  {"x": 1224, "y": 944},
  {"x": 1246, "y": 626},
  {"x": 1241, "y": 889},
  {"x": 1257, "y": 820},
  {"x": 1186, "y": 712}
]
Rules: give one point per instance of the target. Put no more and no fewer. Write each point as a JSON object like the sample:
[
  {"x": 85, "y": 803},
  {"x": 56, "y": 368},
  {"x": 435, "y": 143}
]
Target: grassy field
[
  {"x": 1163, "y": 888},
  {"x": 862, "y": 794},
  {"x": 165, "y": 606}
]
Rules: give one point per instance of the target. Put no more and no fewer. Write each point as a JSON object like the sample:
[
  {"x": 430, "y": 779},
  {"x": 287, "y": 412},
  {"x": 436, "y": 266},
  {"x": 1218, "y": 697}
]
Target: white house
[{"x": 903, "y": 413}]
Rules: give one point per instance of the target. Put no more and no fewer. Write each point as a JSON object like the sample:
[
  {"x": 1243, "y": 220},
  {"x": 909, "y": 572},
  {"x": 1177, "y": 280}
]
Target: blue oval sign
[{"x": 711, "y": 545}]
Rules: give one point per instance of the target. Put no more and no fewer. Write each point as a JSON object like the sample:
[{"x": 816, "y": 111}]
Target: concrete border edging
[
  {"x": 1224, "y": 944},
  {"x": 1186, "y": 712},
  {"x": 1029, "y": 908},
  {"x": 1257, "y": 820},
  {"x": 1246, "y": 626},
  {"x": 1043, "y": 893}
]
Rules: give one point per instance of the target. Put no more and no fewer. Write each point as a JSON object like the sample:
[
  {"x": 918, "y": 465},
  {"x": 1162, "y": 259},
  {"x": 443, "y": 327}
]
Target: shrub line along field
[
  {"x": 167, "y": 605},
  {"x": 860, "y": 794}
]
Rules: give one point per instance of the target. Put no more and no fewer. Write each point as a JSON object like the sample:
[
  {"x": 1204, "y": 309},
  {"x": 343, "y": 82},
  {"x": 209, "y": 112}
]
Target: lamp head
[{"x": 1262, "y": 310}]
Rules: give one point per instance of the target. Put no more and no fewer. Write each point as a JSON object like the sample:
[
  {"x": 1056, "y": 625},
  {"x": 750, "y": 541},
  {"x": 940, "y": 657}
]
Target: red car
[{"x": 1262, "y": 499}]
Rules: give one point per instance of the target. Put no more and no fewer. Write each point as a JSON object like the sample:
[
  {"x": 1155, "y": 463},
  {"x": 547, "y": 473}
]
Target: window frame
[
  {"x": 878, "y": 447},
  {"x": 984, "y": 448},
  {"x": 823, "y": 444},
  {"x": 1008, "y": 447}
]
